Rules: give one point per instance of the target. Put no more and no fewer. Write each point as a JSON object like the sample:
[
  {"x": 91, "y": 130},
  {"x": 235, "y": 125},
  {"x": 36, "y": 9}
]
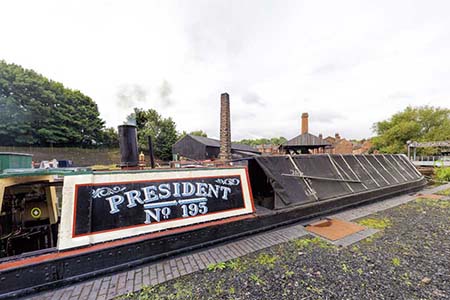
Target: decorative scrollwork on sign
[
  {"x": 106, "y": 191},
  {"x": 228, "y": 181}
]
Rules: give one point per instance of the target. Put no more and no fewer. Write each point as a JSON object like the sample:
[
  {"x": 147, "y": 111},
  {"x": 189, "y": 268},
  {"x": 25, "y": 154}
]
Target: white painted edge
[{"x": 66, "y": 241}]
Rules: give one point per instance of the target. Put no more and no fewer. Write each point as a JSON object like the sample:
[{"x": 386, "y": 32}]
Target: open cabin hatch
[{"x": 29, "y": 215}]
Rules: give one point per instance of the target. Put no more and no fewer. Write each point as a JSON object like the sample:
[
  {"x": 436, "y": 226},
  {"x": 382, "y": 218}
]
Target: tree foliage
[
  {"x": 162, "y": 130},
  {"x": 421, "y": 124},
  {"x": 255, "y": 142},
  {"x": 195, "y": 132},
  {"x": 40, "y": 112}
]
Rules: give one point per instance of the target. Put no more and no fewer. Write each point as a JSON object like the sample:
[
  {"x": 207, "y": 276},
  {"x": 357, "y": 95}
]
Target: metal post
[
  {"x": 150, "y": 150},
  {"x": 409, "y": 151}
]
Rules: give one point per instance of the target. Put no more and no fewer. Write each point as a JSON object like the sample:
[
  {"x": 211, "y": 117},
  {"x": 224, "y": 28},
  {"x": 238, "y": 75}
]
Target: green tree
[
  {"x": 195, "y": 132},
  {"x": 37, "y": 111},
  {"x": 109, "y": 138},
  {"x": 255, "y": 142},
  {"x": 421, "y": 124},
  {"x": 162, "y": 130}
]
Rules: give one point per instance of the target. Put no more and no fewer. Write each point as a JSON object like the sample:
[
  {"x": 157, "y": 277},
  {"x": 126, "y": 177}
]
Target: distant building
[
  {"x": 268, "y": 149},
  {"x": 339, "y": 145},
  {"x": 362, "y": 148},
  {"x": 202, "y": 148},
  {"x": 305, "y": 142}
]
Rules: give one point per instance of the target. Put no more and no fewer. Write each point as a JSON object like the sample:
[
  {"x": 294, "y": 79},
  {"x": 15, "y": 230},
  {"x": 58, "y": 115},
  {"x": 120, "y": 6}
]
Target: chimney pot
[
  {"x": 320, "y": 136},
  {"x": 304, "y": 123},
  {"x": 337, "y": 136}
]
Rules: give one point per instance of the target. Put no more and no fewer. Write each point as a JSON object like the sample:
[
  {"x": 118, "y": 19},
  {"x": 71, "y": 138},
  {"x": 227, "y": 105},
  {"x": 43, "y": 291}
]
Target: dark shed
[
  {"x": 201, "y": 148},
  {"x": 304, "y": 142}
]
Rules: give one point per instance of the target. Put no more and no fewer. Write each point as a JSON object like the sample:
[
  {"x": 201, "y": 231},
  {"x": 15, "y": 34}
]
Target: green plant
[
  {"x": 265, "y": 259},
  {"x": 375, "y": 223},
  {"x": 218, "y": 266},
  {"x": 231, "y": 290},
  {"x": 406, "y": 279},
  {"x": 306, "y": 242},
  {"x": 360, "y": 271},
  {"x": 433, "y": 203},
  {"x": 257, "y": 280},
  {"x": 445, "y": 192},
  {"x": 396, "y": 261},
  {"x": 442, "y": 173},
  {"x": 345, "y": 268},
  {"x": 288, "y": 273}
]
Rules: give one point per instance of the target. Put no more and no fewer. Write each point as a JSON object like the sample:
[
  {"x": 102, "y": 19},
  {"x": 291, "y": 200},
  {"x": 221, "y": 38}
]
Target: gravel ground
[{"x": 408, "y": 259}]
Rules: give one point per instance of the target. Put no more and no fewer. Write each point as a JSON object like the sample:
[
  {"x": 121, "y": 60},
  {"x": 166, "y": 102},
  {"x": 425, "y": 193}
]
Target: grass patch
[
  {"x": 255, "y": 278},
  {"x": 433, "y": 203},
  {"x": 218, "y": 266},
  {"x": 445, "y": 192},
  {"x": 375, "y": 223},
  {"x": 442, "y": 173},
  {"x": 265, "y": 259},
  {"x": 304, "y": 243}
]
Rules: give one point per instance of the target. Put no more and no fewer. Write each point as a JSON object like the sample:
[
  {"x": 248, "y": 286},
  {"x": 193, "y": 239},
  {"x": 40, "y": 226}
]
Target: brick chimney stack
[
  {"x": 225, "y": 128},
  {"x": 304, "y": 123}
]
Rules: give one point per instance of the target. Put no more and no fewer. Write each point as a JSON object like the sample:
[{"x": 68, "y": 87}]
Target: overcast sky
[{"x": 347, "y": 63}]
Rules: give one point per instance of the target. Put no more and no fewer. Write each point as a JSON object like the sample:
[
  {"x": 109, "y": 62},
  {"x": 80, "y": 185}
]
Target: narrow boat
[{"x": 59, "y": 226}]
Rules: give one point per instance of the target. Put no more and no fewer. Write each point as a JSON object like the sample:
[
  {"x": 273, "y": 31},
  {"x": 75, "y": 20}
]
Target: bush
[{"x": 442, "y": 174}]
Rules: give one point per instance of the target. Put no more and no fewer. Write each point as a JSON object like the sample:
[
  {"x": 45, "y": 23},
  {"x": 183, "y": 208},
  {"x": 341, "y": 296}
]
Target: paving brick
[
  {"x": 86, "y": 290},
  {"x": 67, "y": 293},
  {"x": 104, "y": 287},
  {"x": 95, "y": 289},
  {"x": 77, "y": 289}
]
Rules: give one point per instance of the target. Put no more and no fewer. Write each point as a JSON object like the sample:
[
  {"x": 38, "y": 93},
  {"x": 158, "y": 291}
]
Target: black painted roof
[
  {"x": 306, "y": 139},
  {"x": 216, "y": 143}
]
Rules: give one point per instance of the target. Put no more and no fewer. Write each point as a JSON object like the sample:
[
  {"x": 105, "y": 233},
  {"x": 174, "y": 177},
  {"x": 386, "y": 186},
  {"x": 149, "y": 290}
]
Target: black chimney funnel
[{"x": 129, "y": 156}]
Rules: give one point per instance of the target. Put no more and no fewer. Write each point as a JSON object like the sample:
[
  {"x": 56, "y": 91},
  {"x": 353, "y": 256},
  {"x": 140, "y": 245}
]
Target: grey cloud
[
  {"x": 252, "y": 98},
  {"x": 129, "y": 96},
  {"x": 165, "y": 91}
]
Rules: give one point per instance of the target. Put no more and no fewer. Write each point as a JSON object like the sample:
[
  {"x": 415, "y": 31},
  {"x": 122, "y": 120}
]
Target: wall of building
[
  {"x": 190, "y": 148},
  {"x": 80, "y": 157}
]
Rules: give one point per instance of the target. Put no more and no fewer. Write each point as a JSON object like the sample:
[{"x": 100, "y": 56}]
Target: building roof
[
  {"x": 216, "y": 143},
  {"x": 430, "y": 144},
  {"x": 306, "y": 140}
]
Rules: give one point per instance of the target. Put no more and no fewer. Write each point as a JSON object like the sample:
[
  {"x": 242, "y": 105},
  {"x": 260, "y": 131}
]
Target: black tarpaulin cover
[{"x": 301, "y": 179}]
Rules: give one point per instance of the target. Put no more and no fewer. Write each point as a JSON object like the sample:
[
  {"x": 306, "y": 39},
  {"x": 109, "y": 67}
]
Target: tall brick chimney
[
  {"x": 304, "y": 123},
  {"x": 225, "y": 130}
]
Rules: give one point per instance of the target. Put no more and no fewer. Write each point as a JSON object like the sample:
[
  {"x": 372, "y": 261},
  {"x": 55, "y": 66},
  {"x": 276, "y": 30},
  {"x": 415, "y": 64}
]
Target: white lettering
[
  {"x": 164, "y": 190},
  {"x": 132, "y": 197},
  {"x": 114, "y": 201},
  {"x": 188, "y": 189},
  {"x": 201, "y": 189},
  {"x": 176, "y": 193},
  {"x": 149, "y": 215},
  {"x": 214, "y": 189},
  {"x": 150, "y": 194},
  {"x": 225, "y": 191}
]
